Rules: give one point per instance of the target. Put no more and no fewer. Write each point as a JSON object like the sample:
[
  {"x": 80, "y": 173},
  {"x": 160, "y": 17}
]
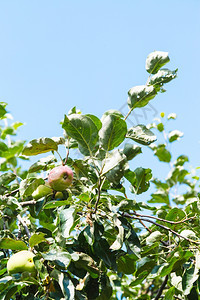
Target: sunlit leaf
[
  {"x": 42, "y": 164},
  {"x": 113, "y": 131},
  {"x": 161, "y": 77},
  {"x": 131, "y": 151},
  {"x": 66, "y": 221},
  {"x": 174, "y": 135},
  {"x": 8, "y": 243},
  {"x": 155, "y": 60},
  {"x": 140, "y": 95},
  {"x": 36, "y": 238},
  {"x": 141, "y": 135},
  {"x": 83, "y": 129},
  {"x": 114, "y": 166},
  {"x": 39, "y": 146}
]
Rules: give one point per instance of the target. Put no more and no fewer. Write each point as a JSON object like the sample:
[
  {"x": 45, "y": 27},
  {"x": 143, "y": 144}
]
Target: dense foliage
[{"x": 92, "y": 241}]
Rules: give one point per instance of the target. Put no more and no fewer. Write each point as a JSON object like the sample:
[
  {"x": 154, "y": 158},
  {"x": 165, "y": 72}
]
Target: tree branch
[
  {"x": 163, "y": 220},
  {"x": 161, "y": 288},
  {"x": 24, "y": 225},
  {"x": 98, "y": 195},
  {"x": 100, "y": 184},
  {"x": 161, "y": 226},
  {"x": 26, "y": 203}
]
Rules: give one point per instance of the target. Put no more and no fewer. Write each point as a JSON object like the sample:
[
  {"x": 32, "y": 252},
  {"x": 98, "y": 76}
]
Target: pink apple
[{"x": 60, "y": 178}]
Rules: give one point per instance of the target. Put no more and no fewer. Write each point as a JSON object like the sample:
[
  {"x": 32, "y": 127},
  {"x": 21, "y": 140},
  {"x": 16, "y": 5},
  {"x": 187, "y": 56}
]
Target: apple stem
[
  {"x": 65, "y": 161},
  {"x": 60, "y": 158}
]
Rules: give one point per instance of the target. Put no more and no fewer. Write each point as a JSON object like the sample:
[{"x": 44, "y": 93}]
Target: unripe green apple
[
  {"x": 60, "y": 178},
  {"x": 41, "y": 191},
  {"x": 21, "y": 261},
  {"x": 59, "y": 195}
]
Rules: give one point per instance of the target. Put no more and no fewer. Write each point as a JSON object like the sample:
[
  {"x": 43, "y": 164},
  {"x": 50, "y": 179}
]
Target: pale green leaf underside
[
  {"x": 113, "y": 131},
  {"x": 38, "y": 146},
  {"x": 141, "y": 134}
]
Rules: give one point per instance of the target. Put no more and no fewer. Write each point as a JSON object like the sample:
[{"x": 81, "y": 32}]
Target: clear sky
[{"x": 57, "y": 54}]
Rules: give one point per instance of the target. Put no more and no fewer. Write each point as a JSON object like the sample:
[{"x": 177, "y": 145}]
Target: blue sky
[{"x": 58, "y": 54}]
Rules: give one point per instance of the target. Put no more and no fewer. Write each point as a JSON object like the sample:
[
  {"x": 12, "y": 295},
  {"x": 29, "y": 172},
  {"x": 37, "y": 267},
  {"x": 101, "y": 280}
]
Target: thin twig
[
  {"x": 98, "y": 195},
  {"x": 130, "y": 111},
  {"x": 147, "y": 228},
  {"x": 161, "y": 226},
  {"x": 163, "y": 220},
  {"x": 26, "y": 203},
  {"x": 67, "y": 155},
  {"x": 161, "y": 288},
  {"x": 11, "y": 193},
  {"x": 24, "y": 225}
]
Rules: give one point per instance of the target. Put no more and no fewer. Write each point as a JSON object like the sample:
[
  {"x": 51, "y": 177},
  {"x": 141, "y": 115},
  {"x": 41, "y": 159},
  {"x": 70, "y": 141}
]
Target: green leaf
[
  {"x": 84, "y": 130},
  {"x": 155, "y": 60},
  {"x": 193, "y": 294},
  {"x": 169, "y": 294},
  {"x": 42, "y": 164},
  {"x": 2, "y": 109},
  {"x": 177, "y": 258},
  {"x": 160, "y": 127},
  {"x": 86, "y": 262},
  {"x": 154, "y": 237},
  {"x": 60, "y": 258},
  {"x": 175, "y": 215},
  {"x": 131, "y": 151},
  {"x": 38, "y": 146},
  {"x": 141, "y": 135},
  {"x": 120, "y": 236},
  {"x": 16, "y": 125},
  {"x": 6, "y": 178},
  {"x": 92, "y": 288},
  {"x": 162, "y": 153},
  {"x": 189, "y": 277},
  {"x": 131, "y": 239},
  {"x": 172, "y": 116},
  {"x": 126, "y": 264},
  {"x": 27, "y": 187},
  {"x": 181, "y": 160},
  {"x": 114, "y": 166},
  {"x": 14, "y": 149},
  {"x": 66, "y": 221},
  {"x": 36, "y": 238},
  {"x": 105, "y": 287},
  {"x": 55, "y": 203},
  {"x": 160, "y": 196},
  {"x": 161, "y": 77},
  {"x": 139, "y": 180},
  {"x": 65, "y": 283},
  {"x": 177, "y": 174},
  {"x": 3, "y": 146},
  {"x": 115, "y": 112},
  {"x": 113, "y": 131},
  {"x": 145, "y": 264},
  {"x": 140, "y": 278},
  {"x": 140, "y": 95},
  {"x": 103, "y": 251},
  {"x": 8, "y": 243},
  {"x": 174, "y": 135},
  {"x": 58, "y": 140}
]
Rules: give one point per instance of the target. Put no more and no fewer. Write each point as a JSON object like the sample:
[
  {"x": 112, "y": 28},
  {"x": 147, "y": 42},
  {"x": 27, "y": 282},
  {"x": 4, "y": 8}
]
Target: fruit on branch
[
  {"x": 41, "y": 191},
  {"x": 22, "y": 261},
  {"x": 59, "y": 195},
  {"x": 60, "y": 178}
]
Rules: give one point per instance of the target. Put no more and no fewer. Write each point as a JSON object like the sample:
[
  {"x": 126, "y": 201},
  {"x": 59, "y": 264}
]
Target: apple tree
[{"x": 77, "y": 210}]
